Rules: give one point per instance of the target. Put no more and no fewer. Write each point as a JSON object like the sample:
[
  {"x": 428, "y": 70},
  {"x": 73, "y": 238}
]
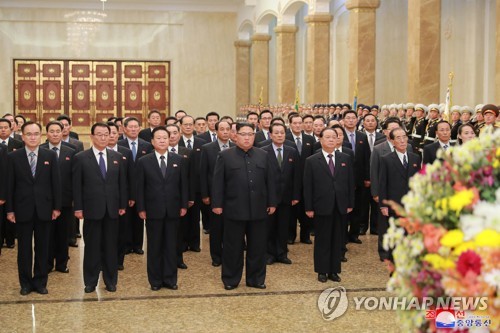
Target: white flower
[{"x": 493, "y": 278}]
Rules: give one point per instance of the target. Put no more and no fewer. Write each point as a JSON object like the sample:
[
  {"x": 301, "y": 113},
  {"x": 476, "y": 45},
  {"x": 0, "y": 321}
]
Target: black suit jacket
[
  {"x": 269, "y": 141},
  {"x": 94, "y": 195},
  {"x": 361, "y": 158},
  {"x": 65, "y": 162},
  {"x": 146, "y": 134},
  {"x": 288, "y": 177},
  {"x": 14, "y": 144},
  {"x": 162, "y": 197},
  {"x": 74, "y": 135},
  {"x": 430, "y": 151},
  {"x": 307, "y": 147},
  {"x": 194, "y": 168},
  {"x": 394, "y": 178},
  {"x": 207, "y": 137},
  {"x": 77, "y": 143},
  {"x": 143, "y": 148},
  {"x": 322, "y": 191},
  {"x": 129, "y": 166},
  {"x": 27, "y": 194},
  {"x": 3, "y": 172},
  {"x": 259, "y": 137},
  {"x": 317, "y": 146},
  {"x": 209, "y": 152},
  {"x": 242, "y": 194}
]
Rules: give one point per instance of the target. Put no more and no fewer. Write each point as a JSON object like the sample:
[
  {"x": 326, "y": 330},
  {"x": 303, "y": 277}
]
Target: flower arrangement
[{"x": 446, "y": 242}]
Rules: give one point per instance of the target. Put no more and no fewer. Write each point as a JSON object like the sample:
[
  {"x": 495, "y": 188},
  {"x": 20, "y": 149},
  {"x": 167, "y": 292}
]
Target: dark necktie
[
  {"x": 224, "y": 147},
  {"x": 268, "y": 135},
  {"x": 299, "y": 144},
  {"x": 172, "y": 150},
  {"x": 189, "y": 144},
  {"x": 4, "y": 142},
  {"x": 353, "y": 143},
  {"x": 280, "y": 157},
  {"x": 32, "y": 163},
  {"x": 330, "y": 164},
  {"x": 214, "y": 137},
  {"x": 56, "y": 150},
  {"x": 445, "y": 147},
  {"x": 163, "y": 166},
  {"x": 102, "y": 165},
  {"x": 405, "y": 161},
  {"x": 134, "y": 150}
]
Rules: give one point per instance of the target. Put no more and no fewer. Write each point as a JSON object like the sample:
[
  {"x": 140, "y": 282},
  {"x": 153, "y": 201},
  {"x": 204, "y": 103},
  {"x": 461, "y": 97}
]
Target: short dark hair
[
  {"x": 120, "y": 119},
  {"x": 64, "y": 117},
  {"x": 153, "y": 112},
  {"x": 3, "y": 120},
  {"x": 30, "y": 123},
  {"x": 160, "y": 128},
  {"x": 129, "y": 119},
  {"x": 241, "y": 125},
  {"x": 227, "y": 118},
  {"x": 271, "y": 129},
  {"x": 222, "y": 121},
  {"x": 20, "y": 116},
  {"x": 111, "y": 119},
  {"x": 391, "y": 133},
  {"x": 186, "y": 116},
  {"x": 179, "y": 111},
  {"x": 174, "y": 125},
  {"x": 320, "y": 117},
  {"x": 252, "y": 113},
  {"x": 368, "y": 115},
  {"x": 99, "y": 124},
  {"x": 113, "y": 124},
  {"x": 334, "y": 127},
  {"x": 390, "y": 120},
  {"x": 212, "y": 113},
  {"x": 349, "y": 112},
  {"x": 441, "y": 122},
  {"x": 307, "y": 116},
  {"x": 262, "y": 112},
  {"x": 200, "y": 118},
  {"x": 276, "y": 119},
  {"x": 170, "y": 118},
  {"x": 292, "y": 116},
  {"x": 327, "y": 129},
  {"x": 54, "y": 122}
]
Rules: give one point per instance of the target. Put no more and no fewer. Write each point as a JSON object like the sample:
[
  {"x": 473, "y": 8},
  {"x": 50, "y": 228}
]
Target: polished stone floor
[{"x": 289, "y": 304}]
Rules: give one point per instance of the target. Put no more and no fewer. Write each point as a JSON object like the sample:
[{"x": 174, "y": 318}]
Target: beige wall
[{"x": 198, "y": 45}]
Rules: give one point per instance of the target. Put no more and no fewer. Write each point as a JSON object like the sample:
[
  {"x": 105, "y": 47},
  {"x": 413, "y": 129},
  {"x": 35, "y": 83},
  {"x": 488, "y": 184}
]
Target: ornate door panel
[
  {"x": 133, "y": 93},
  {"x": 158, "y": 87},
  {"x": 105, "y": 85},
  {"x": 80, "y": 94},
  {"x": 51, "y": 90},
  {"x": 26, "y": 87}
]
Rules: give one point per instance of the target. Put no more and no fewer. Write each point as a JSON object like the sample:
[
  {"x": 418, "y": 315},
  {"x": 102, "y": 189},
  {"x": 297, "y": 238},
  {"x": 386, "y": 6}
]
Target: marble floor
[{"x": 289, "y": 304}]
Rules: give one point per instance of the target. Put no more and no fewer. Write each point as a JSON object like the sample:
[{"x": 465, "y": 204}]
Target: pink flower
[
  {"x": 432, "y": 235},
  {"x": 469, "y": 261}
]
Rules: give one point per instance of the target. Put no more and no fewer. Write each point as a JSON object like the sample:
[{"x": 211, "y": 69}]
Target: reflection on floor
[{"x": 289, "y": 304}]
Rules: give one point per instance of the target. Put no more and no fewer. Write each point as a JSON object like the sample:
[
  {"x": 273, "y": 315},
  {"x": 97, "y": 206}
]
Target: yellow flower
[
  {"x": 461, "y": 199},
  {"x": 488, "y": 237},
  {"x": 464, "y": 247},
  {"x": 452, "y": 238},
  {"x": 438, "y": 262}
]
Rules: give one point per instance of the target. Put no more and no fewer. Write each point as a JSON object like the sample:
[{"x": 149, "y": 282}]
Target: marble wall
[{"x": 198, "y": 45}]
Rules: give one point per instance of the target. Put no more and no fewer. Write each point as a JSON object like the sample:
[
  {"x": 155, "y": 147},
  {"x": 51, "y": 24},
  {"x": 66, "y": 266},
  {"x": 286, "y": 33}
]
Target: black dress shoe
[
  {"x": 334, "y": 277},
  {"x": 111, "y": 289},
  {"x": 182, "y": 266},
  {"x": 42, "y": 291},
  {"x": 155, "y": 288},
  {"x": 322, "y": 278},
  {"x": 206, "y": 232},
  {"x": 229, "y": 287},
  {"x": 63, "y": 270},
  {"x": 306, "y": 241},
  {"x": 257, "y": 286},
  {"x": 78, "y": 235},
  {"x": 355, "y": 240},
  {"x": 344, "y": 259},
  {"x": 139, "y": 251},
  {"x": 194, "y": 249},
  {"x": 270, "y": 261},
  {"x": 362, "y": 233},
  {"x": 89, "y": 289},
  {"x": 25, "y": 291},
  {"x": 10, "y": 246},
  {"x": 290, "y": 241},
  {"x": 284, "y": 260},
  {"x": 75, "y": 244},
  {"x": 170, "y": 286},
  {"x": 121, "y": 268},
  {"x": 216, "y": 263}
]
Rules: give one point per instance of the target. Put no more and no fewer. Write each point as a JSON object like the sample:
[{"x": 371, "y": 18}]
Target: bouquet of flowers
[{"x": 447, "y": 241}]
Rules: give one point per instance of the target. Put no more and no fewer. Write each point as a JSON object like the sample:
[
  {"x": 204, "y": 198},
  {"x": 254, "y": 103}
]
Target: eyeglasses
[{"x": 246, "y": 134}]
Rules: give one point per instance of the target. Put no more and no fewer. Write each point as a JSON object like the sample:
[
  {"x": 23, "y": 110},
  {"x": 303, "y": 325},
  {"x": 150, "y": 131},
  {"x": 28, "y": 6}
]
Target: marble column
[
  {"x": 497, "y": 71},
  {"x": 285, "y": 62},
  {"x": 260, "y": 68},
  {"x": 424, "y": 50},
  {"x": 242, "y": 72},
  {"x": 362, "y": 48},
  {"x": 318, "y": 58}
]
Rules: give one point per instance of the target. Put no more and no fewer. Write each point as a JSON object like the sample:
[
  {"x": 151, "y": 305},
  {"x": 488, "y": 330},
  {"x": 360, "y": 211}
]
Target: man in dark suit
[
  {"x": 9, "y": 144},
  {"x": 243, "y": 189},
  {"x": 139, "y": 148},
  {"x": 210, "y": 135},
  {"x": 58, "y": 242},
  {"x": 265, "y": 118},
  {"x": 396, "y": 169},
  {"x": 100, "y": 197},
  {"x": 3, "y": 186},
  {"x": 209, "y": 154},
  {"x": 305, "y": 145},
  {"x": 443, "y": 132},
  {"x": 154, "y": 120},
  {"x": 328, "y": 194},
  {"x": 66, "y": 137},
  {"x": 188, "y": 140},
  {"x": 13, "y": 127},
  {"x": 162, "y": 199},
  {"x": 114, "y": 136},
  {"x": 34, "y": 200},
  {"x": 284, "y": 162},
  {"x": 361, "y": 148},
  {"x": 184, "y": 225}
]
